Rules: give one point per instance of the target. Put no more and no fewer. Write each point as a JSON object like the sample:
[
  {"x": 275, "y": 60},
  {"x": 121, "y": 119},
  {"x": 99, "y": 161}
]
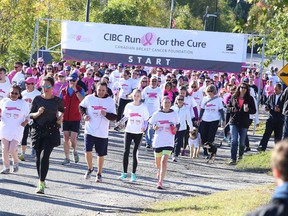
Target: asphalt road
[{"x": 68, "y": 193}]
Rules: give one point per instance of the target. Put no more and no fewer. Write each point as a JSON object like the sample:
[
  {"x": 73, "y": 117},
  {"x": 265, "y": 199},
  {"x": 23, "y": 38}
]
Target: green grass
[
  {"x": 232, "y": 202},
  {"x": 257, "y": 162},
  {"x": 261, "y": 128}
]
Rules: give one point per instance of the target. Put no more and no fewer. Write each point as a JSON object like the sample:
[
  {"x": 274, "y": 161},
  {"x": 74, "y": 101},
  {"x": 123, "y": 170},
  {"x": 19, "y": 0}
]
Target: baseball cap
[
  {"x": 40, "y": 59},
  {"x": 73, "y": 76},
  {"x": 120, "y": 65},
  {"x": 67, "y": 68},
  {"x": 202, "y": 76},
  {"x": 245, "y": 80},
  {"x": 30, "y": 80},
  {"x": 29, "y": 70}
]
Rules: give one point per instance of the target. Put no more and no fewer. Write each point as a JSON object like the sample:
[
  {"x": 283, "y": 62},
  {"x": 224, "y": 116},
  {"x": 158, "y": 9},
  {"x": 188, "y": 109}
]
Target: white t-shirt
[
  {"x": 136, "y": 116},
  {"x": 114, "y": 77},
  {"x": 163, "y": 136},
  {"x": 98, "y": 125},
  {"x": 4, "y": 89},
  {"x": 29, "y": 96},
  {"x": 19, "y": 76},
  {"x": 152, "y": 98},
  {"x": 135, "y": 83},
  {"x": 198, "y": 97},
  {"x": 12, "y": 115},
  {"x": 196, "y": 142},
  {"x": 126, "y": 87},
  {"x": 212, "y": 108},
  {"x": 189, "y": 102}
]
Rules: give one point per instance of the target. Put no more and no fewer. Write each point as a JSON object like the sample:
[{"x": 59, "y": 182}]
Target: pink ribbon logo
[
  {"x": 78, "y": 37},
  {"x": 148, "y": 39}
]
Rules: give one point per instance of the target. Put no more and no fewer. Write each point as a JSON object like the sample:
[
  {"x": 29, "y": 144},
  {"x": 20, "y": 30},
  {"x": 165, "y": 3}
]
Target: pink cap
[
  {"x": 30, "y": 80},
  {"x": 61, "y": 73},
  {"x": 66, "y": 64},
  {"x": 29, "y": 70},
  {"x": 40, "y": 60}
]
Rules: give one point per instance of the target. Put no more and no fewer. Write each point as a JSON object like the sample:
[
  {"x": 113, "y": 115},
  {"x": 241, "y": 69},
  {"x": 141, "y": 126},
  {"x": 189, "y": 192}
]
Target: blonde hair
[{"x": 211, "y": 88}]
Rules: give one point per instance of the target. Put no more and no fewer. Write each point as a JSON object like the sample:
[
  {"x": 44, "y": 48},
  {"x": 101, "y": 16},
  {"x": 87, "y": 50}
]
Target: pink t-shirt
[
  {"x": 241, "y": 102},
  {"x": 269, "y": 90}
]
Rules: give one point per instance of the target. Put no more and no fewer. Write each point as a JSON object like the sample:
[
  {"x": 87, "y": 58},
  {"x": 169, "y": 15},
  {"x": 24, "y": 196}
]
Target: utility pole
[
  {"x": 171, "y": 14},
  {"x": 87, "y": 10},
  {"x": 216, "y": 13}
]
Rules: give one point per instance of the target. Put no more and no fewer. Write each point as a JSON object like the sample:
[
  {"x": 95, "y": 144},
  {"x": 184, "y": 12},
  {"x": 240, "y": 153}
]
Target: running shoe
[
  {"x": 98, "y": 178},
  {"x": 66, "y": 161},
  {"x": 15, "y": 168},
  {"x": 232, "y": 162},
  {"x": 5, "y": 171},
  {"x": 123, "y": 176},
  {"x": 133, "y": 177},
  {"x": 41, "y": 187},
  {"x": 22, "y": 157},
  {"x": 88, "y": 173},
  {"x": 76, "y": 157},
  {"x": 183, "y": 152},
  {"x": 148, "y": 146},
  {"x": 174, "y": 159},
  {"x": 159, "y": 185}
]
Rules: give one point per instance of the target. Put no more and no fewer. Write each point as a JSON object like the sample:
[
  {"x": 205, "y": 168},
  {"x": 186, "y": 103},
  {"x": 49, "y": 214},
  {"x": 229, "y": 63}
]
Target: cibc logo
[
  {"x": 146, "y": 40},
  {"x": 229, "y": 47}
]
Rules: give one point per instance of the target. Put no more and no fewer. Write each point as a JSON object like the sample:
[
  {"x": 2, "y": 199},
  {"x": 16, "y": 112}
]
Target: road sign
[{"x": 283, "y": 74}]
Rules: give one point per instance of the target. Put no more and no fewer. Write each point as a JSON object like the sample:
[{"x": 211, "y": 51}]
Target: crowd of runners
[{"x": 171, "y": 108}]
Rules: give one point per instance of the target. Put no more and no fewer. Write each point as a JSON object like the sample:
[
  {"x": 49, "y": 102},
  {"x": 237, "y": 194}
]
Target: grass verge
[
  {"x": 257, "y": 162},
  {"x": 232, "y": 202}
]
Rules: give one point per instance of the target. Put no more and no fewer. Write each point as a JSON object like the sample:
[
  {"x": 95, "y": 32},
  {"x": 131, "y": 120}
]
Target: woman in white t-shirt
[
  {"x": 210, "y": 114},
  {"x": 164, "y": 122},
  {"x": 14, "y": 117},
  {"x": 136, "y": 114}
]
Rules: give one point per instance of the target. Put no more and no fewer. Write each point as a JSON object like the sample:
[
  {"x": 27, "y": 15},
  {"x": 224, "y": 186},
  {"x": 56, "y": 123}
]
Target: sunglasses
[
  {"x": 207, "y": 81},
  {"x": 14, "y": 93},
  {"x": 135, "y": 74},
  {"x": 144, "y": 81},
  {"x": 72, "y": 80},
  {"x": 61, "y": 76},
  {"x": 193, "y": 86},
  {"x": 49, "y": 68},
  {"x": 46, "y": 86},
  {"x": 209, "y": 91},
  {"x": 29, "y": 83},
  {"x": 179, "y": 99},
  {"x": 243, "y": 87},
  {"x": 89, "y": 74},
  {"x": 154, "y": 80},
  {"x": 16, "y": 67},
  {"x": 40, "y": 62}
]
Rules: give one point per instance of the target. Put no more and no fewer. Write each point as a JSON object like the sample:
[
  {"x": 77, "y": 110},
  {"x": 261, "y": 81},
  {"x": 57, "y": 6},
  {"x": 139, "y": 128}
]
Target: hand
[
  {"x": 103, "y": 112},
  {"x": 246, "y": 110},
  {"x": 86, "y": 118},
  {"x": 24, "y": 123},
  {"x": 156, "y": 127},
  {"x": 143, "y": 130},
  {"x": 174, "y": 130},
  {"x": 41, "y": 110},
  {"x": 277, "y": 108},
  {"x": 223, "y": 124}
]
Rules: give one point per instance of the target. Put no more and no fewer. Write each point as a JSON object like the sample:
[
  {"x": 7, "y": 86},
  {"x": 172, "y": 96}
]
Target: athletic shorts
[
  {"x": 100, "y": 144},
  {"x": 159, "y": 152},
  {"x": 71, "y": 126}
]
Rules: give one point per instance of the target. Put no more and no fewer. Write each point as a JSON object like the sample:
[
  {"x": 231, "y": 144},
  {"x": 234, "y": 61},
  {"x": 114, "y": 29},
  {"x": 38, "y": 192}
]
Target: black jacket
[
  {"x": 238, "y": 116},
  {"x": 284, "y": 101},
  {"x": 277, "y": 207},
  {"x": 270, "y": 106}
]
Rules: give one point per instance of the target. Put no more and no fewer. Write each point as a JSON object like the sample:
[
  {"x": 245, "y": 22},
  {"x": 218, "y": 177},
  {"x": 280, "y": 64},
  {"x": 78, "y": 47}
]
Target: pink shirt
[{"x": 269, "y": 90}]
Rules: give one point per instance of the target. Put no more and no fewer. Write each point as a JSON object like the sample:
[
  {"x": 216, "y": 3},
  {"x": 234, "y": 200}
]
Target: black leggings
[
  {"x": 43, "y": 153},
  {"x": 25, "y": 135},
  {"x": 208, "y": 132},
  {"x": 121, "y": 107},
  {"x": 128, "y": 137}
]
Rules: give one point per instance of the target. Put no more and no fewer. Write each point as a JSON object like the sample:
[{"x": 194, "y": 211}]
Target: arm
[
  {"x": 201, "y": 113},
  {"x": 195, "y": 112},
  {"x": 80, "y": 94}
]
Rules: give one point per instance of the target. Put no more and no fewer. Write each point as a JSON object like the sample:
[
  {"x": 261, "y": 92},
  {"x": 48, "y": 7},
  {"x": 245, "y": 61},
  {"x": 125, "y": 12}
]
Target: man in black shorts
[
  {"x": 72, "y": 95},
  {"x": 97, "y": 110}
]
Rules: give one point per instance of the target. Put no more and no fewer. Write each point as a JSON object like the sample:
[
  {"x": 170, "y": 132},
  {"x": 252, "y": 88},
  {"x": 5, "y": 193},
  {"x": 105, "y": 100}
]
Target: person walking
[
  {"x": 97, "y": 110},
  {"x": 28, "y": 95},
  {"x": 71, "y": 95},
  {"x": 240, "y": 106},
  {"x": 136, "y": 114},
  {"x": 210, "y": 114},
  {"x": 14, "y": 117},
  {"x": 275, "y": 119},
  {"x": 47, "y": 114},
  {"x": 165, "y": 123}
]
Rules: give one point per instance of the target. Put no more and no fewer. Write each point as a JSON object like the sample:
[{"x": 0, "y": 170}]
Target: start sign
[{"x": 283, "y": 74}]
